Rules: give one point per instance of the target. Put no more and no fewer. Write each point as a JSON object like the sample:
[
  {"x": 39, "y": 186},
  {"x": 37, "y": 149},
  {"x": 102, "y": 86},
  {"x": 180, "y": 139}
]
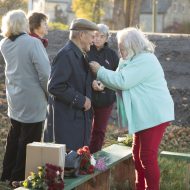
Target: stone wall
[{"x": 173, "y": 51}]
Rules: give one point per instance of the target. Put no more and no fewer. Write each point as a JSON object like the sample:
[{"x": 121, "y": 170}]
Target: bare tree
[
  {"x": 126, "y": 13},
  {"x": 135, "y": 12}
]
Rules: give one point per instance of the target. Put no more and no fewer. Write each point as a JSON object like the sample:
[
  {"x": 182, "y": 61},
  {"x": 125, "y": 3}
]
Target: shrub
[{"x": 57, "y": 26}]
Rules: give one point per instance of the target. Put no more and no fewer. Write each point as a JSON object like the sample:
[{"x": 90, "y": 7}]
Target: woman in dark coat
[{"x": 102, "y": 98}]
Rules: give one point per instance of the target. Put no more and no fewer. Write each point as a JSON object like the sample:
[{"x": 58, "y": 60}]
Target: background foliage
[
  {"x": 7, "y": 5},
  {"x": 57, "y": 26},
  {"x": 91, "y": 9}
]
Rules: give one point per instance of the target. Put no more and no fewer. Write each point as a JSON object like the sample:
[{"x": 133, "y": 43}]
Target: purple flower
[{"x": 101, "y": 164}]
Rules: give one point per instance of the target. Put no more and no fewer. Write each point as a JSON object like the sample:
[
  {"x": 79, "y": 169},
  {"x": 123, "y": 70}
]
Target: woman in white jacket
[{"x": 27, "y": 70}]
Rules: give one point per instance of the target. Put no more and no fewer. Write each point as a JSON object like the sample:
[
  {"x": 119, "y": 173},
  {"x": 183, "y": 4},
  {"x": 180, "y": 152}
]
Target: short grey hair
[
  {"x": 134, "y": 41},
  {"x": 75, "y": 33},
  {"x": 14, "y": 23},
  {"x": 103, "y": 28}
]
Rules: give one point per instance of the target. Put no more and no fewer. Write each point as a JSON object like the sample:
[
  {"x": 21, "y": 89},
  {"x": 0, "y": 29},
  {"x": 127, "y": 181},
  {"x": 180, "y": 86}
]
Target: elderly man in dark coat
[{"x": 69, "y": 118}]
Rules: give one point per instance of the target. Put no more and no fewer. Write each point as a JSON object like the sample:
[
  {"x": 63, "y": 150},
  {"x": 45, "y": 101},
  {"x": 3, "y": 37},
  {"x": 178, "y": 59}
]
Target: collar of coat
[
  {"x": 93, "y": 47},
  {"x": 43, "y": 40},
  {"x": 14, "y": 37},
  {"x": 76, "y": 49}
]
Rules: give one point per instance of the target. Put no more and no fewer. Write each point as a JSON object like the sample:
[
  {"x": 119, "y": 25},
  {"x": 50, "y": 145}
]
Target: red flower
[
  {"x": 80, "y": 151},
  {"x": 86, "y": 149},
  {"x": 91, "y": 169}
]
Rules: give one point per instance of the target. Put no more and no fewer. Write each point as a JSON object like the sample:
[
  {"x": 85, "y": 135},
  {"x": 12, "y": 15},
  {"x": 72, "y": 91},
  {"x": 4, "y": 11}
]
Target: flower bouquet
[
  {"x": 48, "y": 177},
  {"x": 87, "y": 161}
]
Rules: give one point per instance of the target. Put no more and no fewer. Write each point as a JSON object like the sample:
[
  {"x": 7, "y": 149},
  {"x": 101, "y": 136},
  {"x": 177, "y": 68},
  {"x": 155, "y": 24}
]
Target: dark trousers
[
  {"x": 101, "y": 117},
  {"x": 145, "y": 154},
  {"x": 20, "y": 134}
]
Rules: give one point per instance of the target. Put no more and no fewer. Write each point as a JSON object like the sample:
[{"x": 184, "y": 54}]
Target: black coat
[
  {"x": 69, "y": 83},
  {"x": 109, "y": 59}
]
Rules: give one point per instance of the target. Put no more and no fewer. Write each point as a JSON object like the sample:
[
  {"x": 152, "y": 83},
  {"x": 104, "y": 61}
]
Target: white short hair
[
  {"x": 14, "y": 22},
  {"x": 134, "y": 41},
  {"x": 74, "y": 34},
  {"x": 104, "y": 29}
]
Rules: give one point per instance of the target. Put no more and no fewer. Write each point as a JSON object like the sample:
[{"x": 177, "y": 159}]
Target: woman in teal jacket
[{"x": 143, "y": 99}]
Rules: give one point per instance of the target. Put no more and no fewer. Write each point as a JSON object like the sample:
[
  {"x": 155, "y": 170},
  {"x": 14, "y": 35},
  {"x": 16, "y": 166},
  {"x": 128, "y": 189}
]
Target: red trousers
[
  {"x": 101, "y": 117},
  {"x": 145, "y": 154}
]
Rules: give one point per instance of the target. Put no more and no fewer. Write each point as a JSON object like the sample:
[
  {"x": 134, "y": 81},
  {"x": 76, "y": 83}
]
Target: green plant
[
  {"x": 127, "y": 140},
  {"x": 57, "y": 26}
]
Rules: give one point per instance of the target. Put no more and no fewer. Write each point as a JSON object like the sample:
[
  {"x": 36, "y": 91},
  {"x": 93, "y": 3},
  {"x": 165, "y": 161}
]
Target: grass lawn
[{"x": 173, "y": 174}]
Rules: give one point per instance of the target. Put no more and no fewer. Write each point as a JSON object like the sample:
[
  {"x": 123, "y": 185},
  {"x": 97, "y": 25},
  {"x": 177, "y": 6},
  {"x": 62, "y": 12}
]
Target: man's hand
[
  {"x": 94, "y": 66},
  {"x": 87, "y": 104}
]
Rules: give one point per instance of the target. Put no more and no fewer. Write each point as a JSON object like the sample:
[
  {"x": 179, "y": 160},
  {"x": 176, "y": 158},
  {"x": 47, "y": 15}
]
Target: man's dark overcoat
[{"x": 69, "y": 83}]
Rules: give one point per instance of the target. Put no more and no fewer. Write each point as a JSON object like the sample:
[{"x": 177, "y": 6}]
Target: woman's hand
[
  {"x": 94, "y": 66},
  {"x": 97, "y": 85}
]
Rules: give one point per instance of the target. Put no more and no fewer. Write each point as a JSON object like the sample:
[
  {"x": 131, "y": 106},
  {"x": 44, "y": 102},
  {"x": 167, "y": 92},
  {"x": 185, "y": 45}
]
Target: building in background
[
  {"x": 57, "y": 10},
  {"x": 177, "y": 17},
  {"x": 171, "y": 15},
  {"x": 146, "y": 14}
]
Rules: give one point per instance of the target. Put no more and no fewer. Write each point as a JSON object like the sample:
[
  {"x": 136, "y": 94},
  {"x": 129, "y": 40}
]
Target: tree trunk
[
  {"x": 126, "y": 13},
  {"x": 96, "y": 11},
  {"x": 118, "y": 15},
  {"x": 135, "y": 12}
]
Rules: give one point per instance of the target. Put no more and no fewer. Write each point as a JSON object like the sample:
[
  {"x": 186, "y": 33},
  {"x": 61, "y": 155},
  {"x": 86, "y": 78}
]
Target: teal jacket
[{"x": 142, "y": 91}]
